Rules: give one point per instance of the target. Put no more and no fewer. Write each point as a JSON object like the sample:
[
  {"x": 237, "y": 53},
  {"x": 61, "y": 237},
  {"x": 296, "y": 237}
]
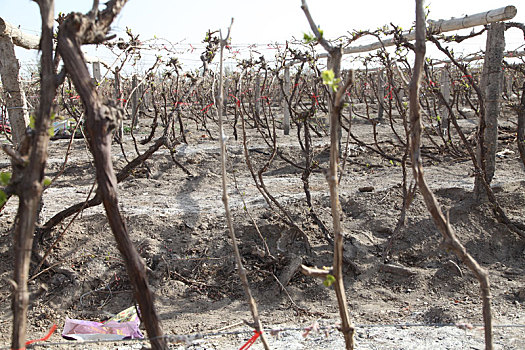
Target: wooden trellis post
[
  {"x": 286, "y": 100},
  {"x": 444, "y": 81},
  {"x": 134, "y": 102},
  {"x": 226, "y": 96},
  {"x": 116, "y": 86},
  {"x": 491, "y": 87},
  {"x": 507, "y": 83},
  {"x": 329, "y": 66},
  {"x": 16, "y": 99},
  {"x": 142, "y": 99},
  {"x": 257, "y": 89},
  {"x": 380, "y": 94},
  {"x": 9, "y": 71},
  {"x": 119, "y": 102},
  {"x": 97, "y": 76}
]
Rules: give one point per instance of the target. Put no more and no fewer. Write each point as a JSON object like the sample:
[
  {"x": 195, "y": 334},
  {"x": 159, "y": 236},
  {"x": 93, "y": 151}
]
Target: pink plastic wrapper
[{"x": 125, "y": 325}]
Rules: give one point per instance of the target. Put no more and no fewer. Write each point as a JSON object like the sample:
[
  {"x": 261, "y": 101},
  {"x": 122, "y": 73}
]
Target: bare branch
[
  {"x": 442, "y": 223},
  {"x": 324, "y": 43},
  {"x": 314, "y": 272}
]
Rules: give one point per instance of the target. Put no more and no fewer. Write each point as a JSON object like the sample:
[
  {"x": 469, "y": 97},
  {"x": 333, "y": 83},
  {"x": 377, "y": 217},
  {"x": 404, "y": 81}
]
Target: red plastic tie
[
  {"x": 236, "y": 99},
  {"x": 205, "y": 109},
  {"x": 251, "y": 341},
  {"x": 315, "y": 98},
  {"x": 46, "y": 337}
]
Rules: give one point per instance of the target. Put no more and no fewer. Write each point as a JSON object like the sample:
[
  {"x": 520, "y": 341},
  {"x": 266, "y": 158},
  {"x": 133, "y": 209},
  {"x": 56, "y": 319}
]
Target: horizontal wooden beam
[
  {"x": 27, "y": 41},
  {"x": 32, "y": 42},
  {"x": 479, "y": 19},
  {"x": 442, "y": 26}
]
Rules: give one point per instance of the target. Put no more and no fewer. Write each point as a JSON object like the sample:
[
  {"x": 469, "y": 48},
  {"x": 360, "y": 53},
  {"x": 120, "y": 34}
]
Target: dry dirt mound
[{"x": 177, "y": 224}]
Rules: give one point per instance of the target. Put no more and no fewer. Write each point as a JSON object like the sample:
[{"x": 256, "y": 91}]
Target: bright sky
[{"x": 256, "y": 22}]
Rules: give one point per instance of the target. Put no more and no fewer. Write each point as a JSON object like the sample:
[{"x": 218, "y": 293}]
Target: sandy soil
[{"x": 178, "y": 225}]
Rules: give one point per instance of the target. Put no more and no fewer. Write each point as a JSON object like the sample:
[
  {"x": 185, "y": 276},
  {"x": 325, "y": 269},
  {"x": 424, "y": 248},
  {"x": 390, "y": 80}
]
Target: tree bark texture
[
  {"x": 492, "y": 88},
  {"x": 450, "y": 241},
  {"x": 16, "y": 99},
  {"x": 521, "y": 126},
  {"x": 28, "y": 180},
  {"x": 335, "y": 54},
  {"x": 101, "y": 120}
]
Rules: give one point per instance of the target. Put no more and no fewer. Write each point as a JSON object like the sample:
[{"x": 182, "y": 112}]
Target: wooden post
[
  {"x": 226, "y": 95},
  {"x": 134, "y": 102},
  {"x": 335, "y": 66},
  {"x": 286, "y": 99},
  {"x": 380, "y": 94},
  {"x": 119, "y": 102},
  {"x": 507, "y": 83},
  {"x": 491, "y": 86},
  {"x": 329, "y": 66},
  {"x": 96, "y": 72},
  {"x": 444, "y": 81},
  {"x": 142, "y": 99},
  {"x": 401, "y": 91},
  {"x": 369, "y": 85},
  {"x": 16, "y": 99},
  {"x": 257, "y": 89},
  {"x": 116, "y": 86}
]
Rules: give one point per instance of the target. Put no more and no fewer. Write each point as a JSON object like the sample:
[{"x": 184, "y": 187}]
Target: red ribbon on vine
[
  {"x": 389, "y": 95},
  {"x": 205, "y": 109},
  {"x": 265, "y": 98},
  {"x": 236, "y": 99},
  {"x": 251, "y": 341},
  {"x": 314, "y": 96}
]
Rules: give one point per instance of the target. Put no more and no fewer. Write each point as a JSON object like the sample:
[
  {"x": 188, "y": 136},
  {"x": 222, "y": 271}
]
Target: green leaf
[
  {"x": 32, "y": 122},
  {"x": 309, "y": 38},
  {"x": 5, "y": 177},
  {"x": 328, "y": 76},
  {"x": 329, "y": 280},
  {"x": 47, "y": 181},
  {"x": 3, "y": 198},
  {"x": 330, "y": 80},
  {"x": 50, "y": 131}
]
